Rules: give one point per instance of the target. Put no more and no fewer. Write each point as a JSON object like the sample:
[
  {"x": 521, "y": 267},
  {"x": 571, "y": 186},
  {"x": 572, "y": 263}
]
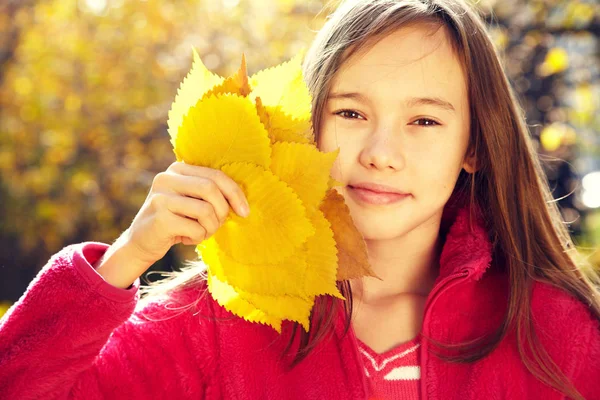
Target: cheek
[
  {"x": 329, "y": 141},
  {"x": 438, "y": 163},
  {"x": 447, "y": 180},
  {"x": 327, "y": 138},
  {"x": 340, "y": 166}
]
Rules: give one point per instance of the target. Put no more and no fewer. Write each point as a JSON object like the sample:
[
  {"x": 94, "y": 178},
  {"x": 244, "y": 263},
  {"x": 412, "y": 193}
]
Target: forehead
[{"x": 412, "y": 61}]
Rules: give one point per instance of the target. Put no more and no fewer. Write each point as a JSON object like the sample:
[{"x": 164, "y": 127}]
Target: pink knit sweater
[
  {"x": 74, "y": 336},
  {"x": 395, "y": 373}
]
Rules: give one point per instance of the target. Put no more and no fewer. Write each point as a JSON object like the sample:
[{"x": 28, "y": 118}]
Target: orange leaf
[
  {"x": 235, "y": 84},
  {"x": 352, "y": 250}
]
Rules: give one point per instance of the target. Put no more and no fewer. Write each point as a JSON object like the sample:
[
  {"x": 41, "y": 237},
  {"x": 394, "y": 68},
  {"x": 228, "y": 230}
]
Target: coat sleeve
[{"x": 72, "y": 335}]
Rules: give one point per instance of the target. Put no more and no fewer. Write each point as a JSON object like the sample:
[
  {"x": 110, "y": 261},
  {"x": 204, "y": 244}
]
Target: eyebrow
[
  {"x": 411, "y": 102},
  {"x": 349, "y": 95},
  {"x": 431, "y": 101}
]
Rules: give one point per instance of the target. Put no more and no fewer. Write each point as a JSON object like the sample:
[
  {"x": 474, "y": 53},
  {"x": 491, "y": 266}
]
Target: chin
[
  {"x": 376, "y": 230},
  {"x": 393, "y": 225}
]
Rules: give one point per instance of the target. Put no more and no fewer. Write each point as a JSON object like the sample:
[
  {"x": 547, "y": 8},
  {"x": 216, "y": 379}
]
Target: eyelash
[{"x": 341, "y": 112}]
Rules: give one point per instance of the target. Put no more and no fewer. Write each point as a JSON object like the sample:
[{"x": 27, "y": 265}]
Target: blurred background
[{"x": 86, "y": 85}]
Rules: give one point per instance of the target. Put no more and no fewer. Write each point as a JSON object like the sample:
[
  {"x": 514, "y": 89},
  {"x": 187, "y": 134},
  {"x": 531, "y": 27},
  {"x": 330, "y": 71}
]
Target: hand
[{"x": 186, "y": 204}]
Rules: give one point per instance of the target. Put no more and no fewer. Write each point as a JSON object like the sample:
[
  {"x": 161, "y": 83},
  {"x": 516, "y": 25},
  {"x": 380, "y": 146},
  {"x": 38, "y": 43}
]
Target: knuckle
[
  {"x": 208, "y": 220},
  {"x": 222, "y": 216},
  {"x": 175, "y": 166},
  {"x": 217, "y": 174},
  {"x": 203, "y": 212},
  {"x": 209, "y": 186},
  {"x": 221, "y": 177},
  {"x": 158, "y": 180},
  {"x": 212, "y": 220},
  {"x": 199, "y": 235},
  {"x": 158, "y": 202}
]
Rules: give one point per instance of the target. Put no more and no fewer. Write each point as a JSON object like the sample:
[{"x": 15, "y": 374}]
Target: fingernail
[{"x": 245, "y": 210}]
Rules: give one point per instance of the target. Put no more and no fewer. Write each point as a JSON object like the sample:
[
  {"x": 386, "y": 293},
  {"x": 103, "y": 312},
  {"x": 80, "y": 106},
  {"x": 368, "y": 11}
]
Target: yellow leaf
[
  {"x": 235, "y": 84},
  {"x": 282, "y": 127},
  {"x": 229, "y": 298},
  {"x": 309, "y": 272},
  {"x": 198, "y": 81},
  {"x": 352, "y": 250},
  {"x": 221, "y": 130},
  {"x": 282, "y": 307},
  {"x": 265, "y": 309},
  {"x": 277, "y": 224},
  {"x": 284, "y": 86},
  {"x": 304, "y": 168},
  {"x": 333, "y": 183},
  {"x": 321, "y": 259},
  {"x": 266, "y": 278}
]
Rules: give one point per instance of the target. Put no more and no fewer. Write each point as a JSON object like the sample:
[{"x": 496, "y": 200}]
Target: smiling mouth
[{"x": 368, "y": 196}]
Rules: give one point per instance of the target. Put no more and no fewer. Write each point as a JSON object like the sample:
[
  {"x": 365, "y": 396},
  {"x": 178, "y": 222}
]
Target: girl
[{"x": 481, "y": 296}]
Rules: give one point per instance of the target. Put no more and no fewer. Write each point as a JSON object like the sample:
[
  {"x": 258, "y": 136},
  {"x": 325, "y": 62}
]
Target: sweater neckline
[{"x": 397, "y": 351}]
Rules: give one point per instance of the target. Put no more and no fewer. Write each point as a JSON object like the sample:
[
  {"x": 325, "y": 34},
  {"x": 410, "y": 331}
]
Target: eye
[
  {"x": 426, "y": 122},
  {"x": 349, "y": 114}
]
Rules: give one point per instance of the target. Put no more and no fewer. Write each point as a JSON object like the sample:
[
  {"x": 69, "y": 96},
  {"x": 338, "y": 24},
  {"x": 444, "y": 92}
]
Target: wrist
[{"x": 119, "y": 266}]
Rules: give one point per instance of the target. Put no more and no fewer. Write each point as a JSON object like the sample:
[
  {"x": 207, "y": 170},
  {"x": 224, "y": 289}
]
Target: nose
[{"x": 382, "y": 152}]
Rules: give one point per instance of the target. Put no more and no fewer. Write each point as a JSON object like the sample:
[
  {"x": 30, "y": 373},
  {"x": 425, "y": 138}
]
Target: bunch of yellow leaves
[{"x": 299, "y": 238}]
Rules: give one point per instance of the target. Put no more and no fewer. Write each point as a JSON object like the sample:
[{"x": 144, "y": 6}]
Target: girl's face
[{"x": 399, "y": 113}]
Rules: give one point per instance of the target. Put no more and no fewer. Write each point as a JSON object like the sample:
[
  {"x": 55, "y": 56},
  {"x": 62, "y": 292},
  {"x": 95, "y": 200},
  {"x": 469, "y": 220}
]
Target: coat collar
[{"x": 467, "y": 246}]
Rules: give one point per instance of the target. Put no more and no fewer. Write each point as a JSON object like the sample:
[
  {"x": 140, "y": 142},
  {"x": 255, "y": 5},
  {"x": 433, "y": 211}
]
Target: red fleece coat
[{"x": 74, "y": 336}]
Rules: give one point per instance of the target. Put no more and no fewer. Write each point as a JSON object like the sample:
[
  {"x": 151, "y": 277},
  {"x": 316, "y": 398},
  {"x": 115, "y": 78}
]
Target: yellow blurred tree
[
  {"x": 85, "y": 87},
  {"x": 84, "y": 102}
]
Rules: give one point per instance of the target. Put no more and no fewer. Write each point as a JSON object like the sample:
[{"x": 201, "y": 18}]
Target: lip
[{"x": 372, "y": 193}]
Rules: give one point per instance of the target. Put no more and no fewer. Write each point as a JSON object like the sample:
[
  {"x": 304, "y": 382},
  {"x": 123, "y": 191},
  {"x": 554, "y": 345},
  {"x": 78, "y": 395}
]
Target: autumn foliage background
[{"x": 85, "y": 87}]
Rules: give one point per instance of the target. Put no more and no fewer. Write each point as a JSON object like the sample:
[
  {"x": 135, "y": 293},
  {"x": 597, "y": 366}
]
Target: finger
[
  {"x": 228, "y": 187},
  {"x": 196, "y": 210},
  {"x": 187, "y": 228},
  {"x": 200, "y": 188},
  {"x": 187, "y": 241}
]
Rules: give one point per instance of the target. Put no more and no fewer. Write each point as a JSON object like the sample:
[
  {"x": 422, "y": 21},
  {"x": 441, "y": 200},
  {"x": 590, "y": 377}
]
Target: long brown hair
[{"x": 529, "y": 237}]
